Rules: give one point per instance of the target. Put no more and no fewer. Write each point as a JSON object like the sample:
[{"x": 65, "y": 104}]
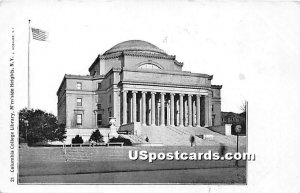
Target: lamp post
[{"x": 238, "y": 129}]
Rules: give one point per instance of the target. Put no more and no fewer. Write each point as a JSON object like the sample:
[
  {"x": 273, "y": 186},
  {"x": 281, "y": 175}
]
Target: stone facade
[{"x": 135, "y": 81}]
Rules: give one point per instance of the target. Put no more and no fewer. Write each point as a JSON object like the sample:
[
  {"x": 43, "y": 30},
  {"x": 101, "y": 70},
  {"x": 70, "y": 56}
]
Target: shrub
[
  {"x": 126, "y": 142},
  {"x": 77, "y": 140}
]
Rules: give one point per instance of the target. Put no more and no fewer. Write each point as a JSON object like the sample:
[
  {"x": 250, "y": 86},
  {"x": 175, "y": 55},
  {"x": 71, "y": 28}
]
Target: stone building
[{"x": 135, "y": 81}]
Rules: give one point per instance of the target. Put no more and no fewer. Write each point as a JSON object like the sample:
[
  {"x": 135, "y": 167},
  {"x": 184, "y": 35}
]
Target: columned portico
[{"x": 161, "y": 110}]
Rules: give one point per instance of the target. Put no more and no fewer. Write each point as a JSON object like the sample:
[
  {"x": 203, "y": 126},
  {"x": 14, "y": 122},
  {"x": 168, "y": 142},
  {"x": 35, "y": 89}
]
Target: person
[
  {"x": 192, "y": 140},
  {"x": 147, "y": 139},
  {"x": 222, "y": 149}
]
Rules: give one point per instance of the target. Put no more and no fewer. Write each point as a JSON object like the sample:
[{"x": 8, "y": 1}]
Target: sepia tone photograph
[{"x": 106, "y": 94}]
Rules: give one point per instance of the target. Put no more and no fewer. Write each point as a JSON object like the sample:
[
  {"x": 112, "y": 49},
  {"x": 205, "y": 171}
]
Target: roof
[{"x": 135, "y": 45}]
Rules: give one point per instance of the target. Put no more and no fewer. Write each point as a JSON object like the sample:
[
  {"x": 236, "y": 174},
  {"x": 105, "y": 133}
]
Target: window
[
  {"x": 99, "y": 85},
  {"x": 149, "y": 66},
  {"x": 79, "y": 119},
  {"x": 79, "y": 85},
  {"x": 99, "y": 119},
  {"x": 98, "y": 106},
  {"x": 79, "y": 102},
  {"x": 212, "y": 107},
  {"x": 109, "y": 99}
]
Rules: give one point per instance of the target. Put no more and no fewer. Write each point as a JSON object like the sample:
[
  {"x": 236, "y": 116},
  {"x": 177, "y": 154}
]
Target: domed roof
[{"x": 135, "y": 45}]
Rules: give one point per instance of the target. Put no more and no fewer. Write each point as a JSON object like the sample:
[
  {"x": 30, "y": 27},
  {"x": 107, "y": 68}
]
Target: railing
[{"x": 115, "y": 143}]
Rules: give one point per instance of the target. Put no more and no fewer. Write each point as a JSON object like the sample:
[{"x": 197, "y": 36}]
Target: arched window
[{"x": 149, "y": 66}]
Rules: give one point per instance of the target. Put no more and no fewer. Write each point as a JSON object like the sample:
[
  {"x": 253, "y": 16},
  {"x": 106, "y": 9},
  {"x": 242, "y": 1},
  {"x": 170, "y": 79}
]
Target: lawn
[{"x": 49, "y": 164}]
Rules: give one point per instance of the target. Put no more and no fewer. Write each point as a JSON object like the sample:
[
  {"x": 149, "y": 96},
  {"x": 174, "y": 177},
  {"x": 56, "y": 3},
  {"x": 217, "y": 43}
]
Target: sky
[
  {"x": 251, "y": 47},
  {"x": 201, "y": 34},
  {"x": 232, "y": 41}
]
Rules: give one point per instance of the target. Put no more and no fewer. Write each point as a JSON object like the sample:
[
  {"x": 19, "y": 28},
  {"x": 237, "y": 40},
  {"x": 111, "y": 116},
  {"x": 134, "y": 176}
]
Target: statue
[{"x": 113, "y": 129}]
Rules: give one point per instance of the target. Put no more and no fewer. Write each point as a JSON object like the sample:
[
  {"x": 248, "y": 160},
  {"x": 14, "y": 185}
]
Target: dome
[{"x": 135, "y": 45}]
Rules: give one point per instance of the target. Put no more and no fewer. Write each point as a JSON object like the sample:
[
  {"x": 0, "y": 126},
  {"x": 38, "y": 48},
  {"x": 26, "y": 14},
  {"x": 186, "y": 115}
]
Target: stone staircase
[
  {"x": 178, "y": 136},
  {"x": 183, "y": 136},
  {"x": 134, "y": 138}
]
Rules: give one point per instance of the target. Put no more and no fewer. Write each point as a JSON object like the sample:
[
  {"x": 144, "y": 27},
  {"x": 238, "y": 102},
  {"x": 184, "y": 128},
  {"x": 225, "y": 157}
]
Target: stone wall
[
  {"x": 88, "y": 104},
  {"x": 133, "y": 128},
  {"x": 222, "y": 129},
  {"x": 165, "y": 64},
  {"x": 61, "y": 110}
]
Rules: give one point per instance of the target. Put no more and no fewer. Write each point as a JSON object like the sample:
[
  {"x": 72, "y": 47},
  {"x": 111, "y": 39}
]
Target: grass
[{"x": 39, "y": 161}]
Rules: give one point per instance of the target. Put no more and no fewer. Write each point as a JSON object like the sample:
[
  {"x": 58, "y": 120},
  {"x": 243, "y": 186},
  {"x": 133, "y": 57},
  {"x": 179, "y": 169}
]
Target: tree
[
  {"x": 243, "y": 107},
  {"x": 126, "y": 142},
  {"x": 36, "y": 125},
  {"x": 241, "y": 119},
  {"x": 96, "y": 136}
]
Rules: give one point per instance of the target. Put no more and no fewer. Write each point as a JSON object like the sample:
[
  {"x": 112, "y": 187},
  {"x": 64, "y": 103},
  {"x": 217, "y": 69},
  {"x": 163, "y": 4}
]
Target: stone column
[
  {"x": 190, "y": 113},
  {"x": 181, "y": 110},
  {"x": 168, "y": 112},
  {"x": 153, "y": 108},
  {"x": 184, "y": 111},
  {"x": 198, "y": 110},
  {"x": 209, "y": 110},
  {"x": 206, "y": 104},
  {"x": 162, "y": 109},
  {"x": 172, "y": 108},
  {"x": 125, "y": 107},
  {"x": 134, "y": 106},
  {"x": 143, "y": 108},
  {"x": 130, "y": 108},
  {"x": 139, "y": 115},
  {"x": 194, "y": 111}
]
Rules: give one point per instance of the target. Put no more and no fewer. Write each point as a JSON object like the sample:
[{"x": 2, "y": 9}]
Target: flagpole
[{"x": 28, "y": 105}]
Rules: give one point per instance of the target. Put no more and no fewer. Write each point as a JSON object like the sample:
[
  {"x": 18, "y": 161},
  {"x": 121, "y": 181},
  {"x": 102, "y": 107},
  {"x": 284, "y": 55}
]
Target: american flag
[{"x": 39, "y": 34}]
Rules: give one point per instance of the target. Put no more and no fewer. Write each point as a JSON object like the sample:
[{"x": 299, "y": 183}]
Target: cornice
[
  {"x": 181, "y": 73},
  {"x": 110, "y": 56},
  {"x": 149, "y": 55},
  {"x": 112, "y": 70},
  {"x": 178, "y": 63},
  {"x": 136, "y": 54},
  {"x": 216, "y": 86},
  {"x": 84, "y": 77},
  {"x": 167, "y": 85}
]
